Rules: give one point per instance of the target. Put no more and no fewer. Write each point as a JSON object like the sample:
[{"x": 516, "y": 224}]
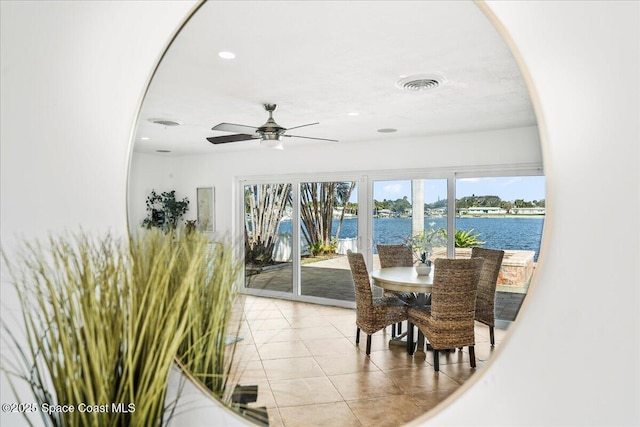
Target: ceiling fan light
[{"x": 272, "y": 141}]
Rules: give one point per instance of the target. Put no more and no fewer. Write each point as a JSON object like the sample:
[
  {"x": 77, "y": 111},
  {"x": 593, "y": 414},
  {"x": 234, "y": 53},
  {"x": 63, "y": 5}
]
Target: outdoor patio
[{"x": 332, "y": 279}]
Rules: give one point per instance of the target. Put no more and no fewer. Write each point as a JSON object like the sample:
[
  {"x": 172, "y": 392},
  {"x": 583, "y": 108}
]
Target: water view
[{"x": 498, "y": 233}]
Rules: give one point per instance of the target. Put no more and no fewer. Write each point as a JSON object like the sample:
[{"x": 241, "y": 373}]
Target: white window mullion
[
  {"x": 451, "y": 215},
  {"x": 295, "y": 237}
]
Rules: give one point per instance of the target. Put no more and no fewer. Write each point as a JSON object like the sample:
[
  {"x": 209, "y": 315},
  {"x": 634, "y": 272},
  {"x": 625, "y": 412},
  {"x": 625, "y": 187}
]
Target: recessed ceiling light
[
  {"x": 144, "y": 138},
  {"x": 353, "y": 113},
  {"x": 226, "y": 55},
  {"x": 163, "y": 151},
  {"x": 387, "y": 130}
]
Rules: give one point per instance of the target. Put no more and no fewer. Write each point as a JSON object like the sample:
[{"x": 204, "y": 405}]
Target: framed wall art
[{"x": 206, "y": 208}]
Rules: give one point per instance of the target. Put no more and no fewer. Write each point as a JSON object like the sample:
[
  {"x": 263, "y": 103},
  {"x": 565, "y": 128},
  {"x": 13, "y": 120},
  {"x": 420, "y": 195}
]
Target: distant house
[
  {"x": 528, "y": 211},
  {"x": 482, "y": 211},
  {"x": 437, "y": 212},
  {"x": 384, "y": 213}
]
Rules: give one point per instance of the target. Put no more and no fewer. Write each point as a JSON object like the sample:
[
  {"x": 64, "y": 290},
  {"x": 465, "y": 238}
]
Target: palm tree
[
  {"x": 264, "y": 208},
  {"x": 317, "y": 202}
]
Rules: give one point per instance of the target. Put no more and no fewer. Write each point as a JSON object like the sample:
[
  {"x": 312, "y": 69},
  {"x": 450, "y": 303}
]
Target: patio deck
[{"x": 332, "y": 279}]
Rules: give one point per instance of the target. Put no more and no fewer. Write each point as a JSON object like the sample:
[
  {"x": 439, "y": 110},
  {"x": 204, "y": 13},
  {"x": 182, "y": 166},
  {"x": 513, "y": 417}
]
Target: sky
[{"x": 510, "y": 188}]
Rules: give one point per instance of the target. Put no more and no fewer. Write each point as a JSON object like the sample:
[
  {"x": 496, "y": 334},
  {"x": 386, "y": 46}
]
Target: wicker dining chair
[
  {"x": 372, "y": 314},
  {"x": 397, "y": 256},
  {"x": 486, "y": 300},
  {"x": 449, "y": 321}
]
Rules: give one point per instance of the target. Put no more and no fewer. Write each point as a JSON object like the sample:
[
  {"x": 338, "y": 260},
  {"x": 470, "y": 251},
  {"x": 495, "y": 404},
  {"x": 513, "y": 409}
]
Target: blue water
[{"x": 498, "y": 233}]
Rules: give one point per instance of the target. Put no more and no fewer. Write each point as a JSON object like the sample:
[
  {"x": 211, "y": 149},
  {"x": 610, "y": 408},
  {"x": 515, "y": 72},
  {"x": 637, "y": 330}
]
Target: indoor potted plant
[{"x": 422, "y": 244}]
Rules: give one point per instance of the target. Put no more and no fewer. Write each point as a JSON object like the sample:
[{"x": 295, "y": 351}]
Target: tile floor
[{"x": 310, "y": 372}]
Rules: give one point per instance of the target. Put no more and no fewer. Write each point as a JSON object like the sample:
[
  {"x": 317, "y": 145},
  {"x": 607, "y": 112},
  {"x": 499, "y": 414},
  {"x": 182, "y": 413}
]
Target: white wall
[
  {"x": 73, "y": 72},
  {"x": 504, "y": 147},
  {"x": 152, "y": 172}
]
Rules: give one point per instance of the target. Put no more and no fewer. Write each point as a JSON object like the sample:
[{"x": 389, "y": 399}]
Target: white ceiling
[{"x": 320, "y": 61}]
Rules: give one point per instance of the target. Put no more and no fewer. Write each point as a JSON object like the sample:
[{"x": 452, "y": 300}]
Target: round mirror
[{"x": 407, "y": 101}]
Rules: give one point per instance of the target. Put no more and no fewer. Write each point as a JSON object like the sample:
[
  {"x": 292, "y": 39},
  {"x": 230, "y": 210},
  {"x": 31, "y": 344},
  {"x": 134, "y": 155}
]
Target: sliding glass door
[
  {"x": 268, "y": 239},
  {"x": 505, "y": 213},
  {"x": 328, "y": 228},
  {"x": 297, "y": 232},
  {"x": 296, "y": 236}
]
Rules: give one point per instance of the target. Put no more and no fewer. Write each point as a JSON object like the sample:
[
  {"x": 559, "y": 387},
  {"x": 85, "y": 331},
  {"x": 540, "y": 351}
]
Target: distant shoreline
[
  {"x": 498, "y": 216},
  {"x": 503, "y": 216}
]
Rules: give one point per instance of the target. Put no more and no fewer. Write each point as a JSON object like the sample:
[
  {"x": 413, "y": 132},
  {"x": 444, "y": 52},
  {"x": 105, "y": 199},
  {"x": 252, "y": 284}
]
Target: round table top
[{"x": 404, "y": 279}]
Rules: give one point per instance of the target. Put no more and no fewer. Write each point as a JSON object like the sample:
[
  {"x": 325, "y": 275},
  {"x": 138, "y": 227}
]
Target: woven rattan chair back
[
  {"x": 395, "y": 256},
  {"x": 453, "y": 302},
  {"x": 449, "y": 322},
  {"x": 372, "y": 314},
  {"x": 361, "y": 283},
  {"x": 486, "y": 299}
]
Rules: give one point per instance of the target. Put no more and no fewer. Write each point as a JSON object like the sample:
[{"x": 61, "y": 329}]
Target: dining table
[{"x": 406, "y": 279}]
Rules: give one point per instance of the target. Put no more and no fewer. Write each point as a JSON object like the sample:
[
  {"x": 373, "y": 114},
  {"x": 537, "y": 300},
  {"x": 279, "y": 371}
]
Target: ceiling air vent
[{"x": 419, "y": 82}]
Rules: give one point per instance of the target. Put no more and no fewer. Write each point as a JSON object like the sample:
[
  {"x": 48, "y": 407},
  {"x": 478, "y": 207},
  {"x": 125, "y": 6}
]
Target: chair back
[
  {"x": 395, "y": 256},
  {"x": 361, "y": 283},
  {"x": 485, "y": 301},
  {"x": 453, "y": 297}
]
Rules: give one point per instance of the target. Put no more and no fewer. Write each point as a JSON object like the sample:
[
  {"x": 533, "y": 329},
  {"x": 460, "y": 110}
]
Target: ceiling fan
[{"x": 270, "y": 134}]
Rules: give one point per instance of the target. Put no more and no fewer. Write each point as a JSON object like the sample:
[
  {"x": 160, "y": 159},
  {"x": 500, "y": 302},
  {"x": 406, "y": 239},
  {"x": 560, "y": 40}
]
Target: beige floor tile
[
  {"x": 310, "y": 372},
  {"x": 269, "y": 324},
  {"x": 304, "y": 391},
  {"x": 393, "y": 358},
  {"x": 297, "y": 367},
  {"x": 347, "y": 363},
  {"x": 327, "y": 346},
  {"x": 318, "y": 332},
  {"x": 275, "y": 420},
  {"x": 460, "y": 372},
  {"x": 326, "y": 414},
  {"x": 427, "y": 400},
  {"x": 484, "y": 351},
  {"x": 421, "y": 379},
  {"x": 258, "y": 313},
  {"x": 275, "y": 335},
  {"x": 282, "y": 350},
  {"x": 245, "y": 374},
  {"x": 389, "y": 411},
  {"x": 309, "y": 322},
  {"x": 265, "y": 395},
  {"x": 364, "y": 385}
]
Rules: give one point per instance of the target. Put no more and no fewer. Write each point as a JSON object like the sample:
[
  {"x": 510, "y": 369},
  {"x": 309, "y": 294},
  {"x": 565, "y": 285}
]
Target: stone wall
[{"x": 515, "y": 273}]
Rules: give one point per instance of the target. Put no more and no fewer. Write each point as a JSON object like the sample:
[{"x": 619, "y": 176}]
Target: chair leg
[
  {"x": 358, "y": 336},
  {"x": 492, "y": 338},
  {"x": 368, "y": 344},
  {"x": 436, "y": 360},
  {"x": 472, "y": 356},
  {"x": 399, "y": 328},
  {"x": 409, "y": 338},
  {"x": 393, "y": 330}
]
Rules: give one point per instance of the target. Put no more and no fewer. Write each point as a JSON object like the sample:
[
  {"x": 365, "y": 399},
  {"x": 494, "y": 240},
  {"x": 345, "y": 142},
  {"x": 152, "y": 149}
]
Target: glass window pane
[
  {"x": 505, "y": 213},
  {"x": 268, "y": 240},
  {"x": 328, "y": 228},
  {"x": 404, "y": 208}
]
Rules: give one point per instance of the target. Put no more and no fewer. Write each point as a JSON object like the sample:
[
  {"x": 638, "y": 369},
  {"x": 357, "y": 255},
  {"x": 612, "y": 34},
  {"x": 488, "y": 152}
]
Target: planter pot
[{"x": 423, "y": 269}]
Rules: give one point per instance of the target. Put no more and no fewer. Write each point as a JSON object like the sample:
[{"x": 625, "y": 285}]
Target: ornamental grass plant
[
  {"x": 207, "y": 349},
  {"x": 102, "y": 321}
]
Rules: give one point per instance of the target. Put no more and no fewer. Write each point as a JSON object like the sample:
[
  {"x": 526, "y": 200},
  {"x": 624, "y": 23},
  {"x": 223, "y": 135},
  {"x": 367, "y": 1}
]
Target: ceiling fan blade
[
  {"x": 309, "y": 137},
  {"x": 230, "y": 127},
  {"x": 231, "y": 138},
  {"x": 301, "y": 126}
]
